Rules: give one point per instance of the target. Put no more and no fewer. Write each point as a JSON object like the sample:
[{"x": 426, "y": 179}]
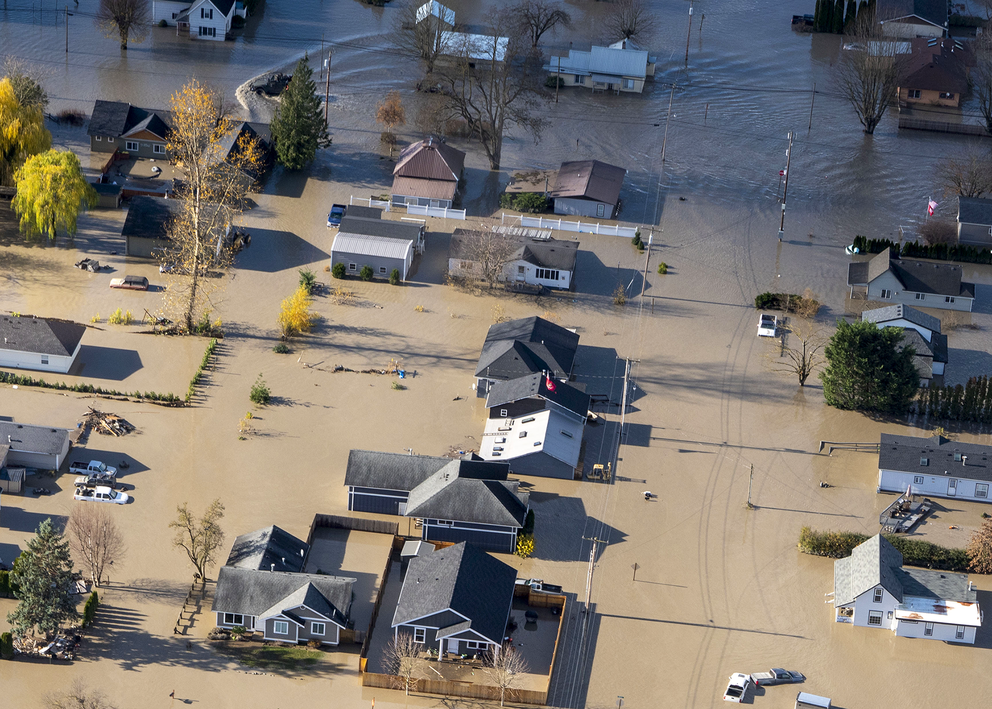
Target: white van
[{"x": 805, "y": 700}]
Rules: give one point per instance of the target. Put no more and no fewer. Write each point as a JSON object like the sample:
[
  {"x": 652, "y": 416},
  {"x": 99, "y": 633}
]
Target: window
[
  {"x": 877, "y": 598},
  {"x": 944, "y": 94},
  {"x": 97, "y": 138},
  {"x": 382, "y": 269},
  {"x": 206, "y": 13},
  {"x": 44, "y": 359},
  {"x": 577, "y": 79},
  {"x": 175, "y": 15},
  {"x": 110, "y": 140},
  {"x": 885, "y": 294},
  {"x": 914, "y": 93},
  {"x": 352, "y": 266},
  {"x": 982, "y": 490},
  {"x": 925, "y": 462},
  {"x": 128, "y": 145},
  {"x": 875, "y": 618},
  {"x": 158, "y": 149},
  {"x": 475, "y": 645},
  {"x": 628, "y": 83},
  {"x": 917, "y": 479},
  {"x": 445, "y": 523},
  {"x": 207, "y": 31},
  {"x": 949, "y": 299},
  {"x": 234, "y": 619},
  {"x": 411, "y": 200},
  {"x": 959, "y": 632},
  {"x": 928, "y": 629},
  {"x": 957, "y": 457},
  {"x": 521, "y": 270},
  {"x": 317, "y": 628},
  {"x": 280, "y": 627},
  {"x": 503, "y": 413},
  {"x": 600, "y": 210},
  {"x": 547, "y": 274},
  {"x": 419, "y": 635},
  {"x": 921, "y": 296}
]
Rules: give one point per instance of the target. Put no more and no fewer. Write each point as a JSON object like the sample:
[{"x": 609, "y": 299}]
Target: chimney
[
  {"x": 970, "y": 584},
  {"x": 302, "y": 553},
  {"x": 272, "y": 567},
  {"x": 964, "y": 460}
]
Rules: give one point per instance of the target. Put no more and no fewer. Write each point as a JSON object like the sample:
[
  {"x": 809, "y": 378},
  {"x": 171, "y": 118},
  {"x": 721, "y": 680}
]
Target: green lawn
[{"x": 287, "y": 658}]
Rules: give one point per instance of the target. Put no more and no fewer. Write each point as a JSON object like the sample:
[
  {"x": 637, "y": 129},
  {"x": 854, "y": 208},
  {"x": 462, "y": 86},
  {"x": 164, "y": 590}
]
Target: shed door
[
  {"x": 600, "y": 210},
  {"x": 952, "y": 487}
]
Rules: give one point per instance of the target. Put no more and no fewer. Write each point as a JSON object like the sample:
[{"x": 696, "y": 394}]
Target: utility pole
[
  {"x": 592, "y": 563},
  {"x": 321, "y": 75},
  {"x": 812, "y": 98},
  {"x": 749, "y": 481},
  {"x": 688, "y": 34},
  {"x": 67, "y": 16},
  {"x": 785, "y": 192},
  {"x": 647, "y": 257},
  {"x": 668, "y": 120},
  {"x": 557, "y": 78},
  {"x": 327, "y": 87}
]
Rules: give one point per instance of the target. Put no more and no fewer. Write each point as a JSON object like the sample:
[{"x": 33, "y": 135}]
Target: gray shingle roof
[
  {"x": 927, "y": 583},
  {"x": 40, "y": 335},
  {"x": 857, "y": 273},
  {"x": 534, "y": 385},
  {"x": 258, "y": 592},
  {"x": 872, "y": 563},
  {"x": 543, "y": 253},
  {"x": 116, "y": 119},
  {"x": 589, "y": 179},
  {"x": 379, "y": 227},
  {"x": 915, "y": 276},
  {"x": 390, "y": 471},
  {"x": 521, "y": 347},
  {"x": 904, "y": 454},
  {"x": 902, "y": 312},
  {"x": 448, "y": 495},
  {"x": 33, "y": 439},
  {"x": 923, "y": 360},
  {"x": 260, "y": 549},
  {"x": 149, "y": 217},
  {"x": 975, "y": 210},
  {"x": 461, "y": 578},
  {"x": 933, "y": 11}
]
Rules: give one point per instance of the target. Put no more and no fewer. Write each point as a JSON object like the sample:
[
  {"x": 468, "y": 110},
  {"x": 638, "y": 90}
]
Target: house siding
[
  {"x": 615, "y": 84},
  {"x": 584, "y": 207},
  {"x": 934, "y": 484},
  {"x": 140, "y": 247},
  {"x": 165, "y": 9},
  {"x": 367, "y": 499},
  {"x": 908, "y": 29},
  {"x": 399, "y": 200},
  {"x": 864, "y": 604},
  {"x": 376, "y": 262},
  {"x": 539, "y": 464},
  {"x": 941, "y": 631},
  {"x": 268, "y": 631},
  {"x": 33, "y": 360},
  {"x": 975, "y": 234},
  {"x": 490, "y": 538},
  {"x": 888, "y": 281},
  {"x": 105, "y": 144},
  {"x": 249, "y": 620},
  {"x": 219, "y": 22},
  {"x": 930, "y": 97},
  {"x": 41, "y": 461},
  {"x": 512, "y": 273},
  {"x": 330, "y": 635}
]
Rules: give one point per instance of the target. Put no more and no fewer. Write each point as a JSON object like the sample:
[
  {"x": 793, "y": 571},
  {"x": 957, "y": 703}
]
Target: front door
[{"x": 952, "y": 487}]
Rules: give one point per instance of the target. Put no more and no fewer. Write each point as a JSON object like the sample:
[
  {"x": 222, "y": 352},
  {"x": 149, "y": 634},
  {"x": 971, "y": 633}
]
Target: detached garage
[
  {"x": 380, "y": 253},
  {"x": 30, "y": 446},
  {"x": 146, "y": 226}
]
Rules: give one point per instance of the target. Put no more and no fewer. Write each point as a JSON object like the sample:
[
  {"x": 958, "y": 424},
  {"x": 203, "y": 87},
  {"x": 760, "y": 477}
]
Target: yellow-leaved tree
[
  {"x": 51, "y": 191},
  {"x": 296, "y": 316},
  {"x": 22, "y": 133}
]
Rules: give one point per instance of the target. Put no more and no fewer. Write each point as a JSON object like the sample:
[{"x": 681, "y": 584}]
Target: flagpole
[{"x": 929, "y": 200}]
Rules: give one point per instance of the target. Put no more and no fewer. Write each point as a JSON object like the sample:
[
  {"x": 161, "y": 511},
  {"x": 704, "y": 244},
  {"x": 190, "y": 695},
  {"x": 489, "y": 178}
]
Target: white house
[
  {"x": 872, "y": 589},
  {"x": 888, "y": 278},
  {"x": 935, "y": 467},
  {"x": 620, "y": 68},
  {"x": 47, "y": 345},
  {"x": 208, "y": 19},
  {"x": 544, "y": 443},
  {"x": 539, "y": 261},
  {"x": 920, "y": 331},
  {"x": 168, "y": 10}
]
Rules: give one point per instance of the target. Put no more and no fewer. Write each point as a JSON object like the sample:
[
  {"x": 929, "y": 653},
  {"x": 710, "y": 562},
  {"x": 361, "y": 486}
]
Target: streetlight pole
[{"x": 688, "y": 34}]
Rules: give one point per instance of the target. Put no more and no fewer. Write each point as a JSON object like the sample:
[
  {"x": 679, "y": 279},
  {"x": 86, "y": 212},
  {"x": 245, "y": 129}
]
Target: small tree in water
[
  {"x": 869, "y": 72},
  {"x": 127, "y": 19},
  {"x": 199, "y": 538}
]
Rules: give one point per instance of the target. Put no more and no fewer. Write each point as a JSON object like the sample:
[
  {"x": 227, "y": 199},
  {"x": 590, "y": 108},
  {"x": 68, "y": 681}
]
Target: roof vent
[
  {"x": 272, "y": 567},
  {"x": 284, "y": 561},
  {"x": 964, "y": 460},
  {"x": 924, "y": 461}
]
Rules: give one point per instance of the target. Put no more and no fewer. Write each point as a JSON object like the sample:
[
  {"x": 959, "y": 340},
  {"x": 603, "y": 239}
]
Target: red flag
[
  {"x": 548, "y": 383},
  {"x": 931, "y": 205}
]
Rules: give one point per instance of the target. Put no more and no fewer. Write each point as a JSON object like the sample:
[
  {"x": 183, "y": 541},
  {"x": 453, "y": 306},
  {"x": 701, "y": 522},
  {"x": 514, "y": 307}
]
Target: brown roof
[
  {"x": 430, "y": 160},
  {"x": 938, "y": 65},
  {"x": 589, "y": 179},
  {"x": 428, "y": 189}
]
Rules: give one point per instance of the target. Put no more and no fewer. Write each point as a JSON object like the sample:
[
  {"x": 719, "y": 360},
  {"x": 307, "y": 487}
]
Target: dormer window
[{"x": 878, "y": 596}]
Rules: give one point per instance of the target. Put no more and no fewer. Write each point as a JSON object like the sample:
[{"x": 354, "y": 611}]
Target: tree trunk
[{"x": 124, "y": 39}]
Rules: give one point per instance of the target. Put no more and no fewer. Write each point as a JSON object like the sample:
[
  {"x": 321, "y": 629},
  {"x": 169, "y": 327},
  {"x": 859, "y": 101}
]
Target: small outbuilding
[
  {"x": 43, "y": 344},
  {"x": 975, "y": 221},
  {"x": 146, "y": 227},
  {"x": 588, "y": 188},
  {"x": 41, "y": 447},
  {"x": 381, "y": 244}
]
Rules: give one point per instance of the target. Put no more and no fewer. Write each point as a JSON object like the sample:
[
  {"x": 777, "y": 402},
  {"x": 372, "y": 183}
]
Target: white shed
[{"x": 47, "y": 345}]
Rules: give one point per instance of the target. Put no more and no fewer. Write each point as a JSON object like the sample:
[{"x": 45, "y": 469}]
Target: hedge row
[
  {"x": 26, "y": 381},
  {"x": 204, "y": 363},
  {"x": 788, "y": 302},
  {"x": 837, "y": 545},
  {"x": 6, "y": 590},
  {"x": 972, "y": 402},
  {"x": 89, "y": 610},
  {"x": 914, "y": 249}
]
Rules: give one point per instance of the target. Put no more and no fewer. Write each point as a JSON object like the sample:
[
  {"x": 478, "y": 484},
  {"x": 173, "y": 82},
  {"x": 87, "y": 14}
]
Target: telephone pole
[
  {"x": 750, "y": 480},
  {"x": 592, "y": 564},
  {"x": 785, "y": 192},
  {"x": 327, "y": 86},
  {"x": 688, "y": 34}
]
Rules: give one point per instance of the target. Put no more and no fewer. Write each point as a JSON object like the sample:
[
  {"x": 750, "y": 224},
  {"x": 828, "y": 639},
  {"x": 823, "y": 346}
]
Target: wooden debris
[{"x": 107, "y": 424}]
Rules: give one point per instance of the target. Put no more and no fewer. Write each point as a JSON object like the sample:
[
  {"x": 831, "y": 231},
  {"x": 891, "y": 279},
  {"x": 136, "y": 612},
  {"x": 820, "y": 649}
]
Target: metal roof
[
  {"x": 428, "y": 189},
  {"x": 430, "y": 159},
  {"x": 40, "y": 335},
  {"x": 366, "y": 245},
  {"x": 433, "y": 8},
  {"x": 481, "y": 47},
  {"x": 612, "y": 62}
]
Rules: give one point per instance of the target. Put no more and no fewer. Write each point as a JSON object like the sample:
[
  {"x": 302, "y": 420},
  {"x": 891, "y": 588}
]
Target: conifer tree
[
  {"x": 43, "y": 575},
  {"x": 299, "y": 127},
  {"x": 838, "y": 17}
]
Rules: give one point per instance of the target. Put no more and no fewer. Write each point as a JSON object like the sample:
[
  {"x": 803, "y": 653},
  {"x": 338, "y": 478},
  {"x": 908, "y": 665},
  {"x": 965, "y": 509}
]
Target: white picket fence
[
  {"x": 370, "y": 202},
  {"x": 567, "y": 225},
  {"x": 443, "y": 212}
]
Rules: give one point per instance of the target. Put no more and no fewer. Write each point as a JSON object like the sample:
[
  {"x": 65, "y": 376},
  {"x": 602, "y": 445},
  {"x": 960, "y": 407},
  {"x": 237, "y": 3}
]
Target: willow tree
[
  {"x": 22, "y": 132},
  {"x": 51, "y": 191},
  {"x": 220, "y": 163}
]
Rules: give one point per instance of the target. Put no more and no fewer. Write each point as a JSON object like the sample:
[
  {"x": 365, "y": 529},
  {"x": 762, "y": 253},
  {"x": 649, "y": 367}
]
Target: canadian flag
[
  {"x": 548, "y": 383},
  {"x": 931, "y": 205}
]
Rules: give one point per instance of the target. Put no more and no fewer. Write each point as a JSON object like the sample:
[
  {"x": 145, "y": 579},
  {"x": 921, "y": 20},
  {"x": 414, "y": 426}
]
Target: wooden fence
[
  {"x": 191, "y": 606},
  {"x": 394, "y": 550},
  {"x": 942, "y": 126},
  {"x": 454, "y": 689},
  {"x": 321, "y": 521}
]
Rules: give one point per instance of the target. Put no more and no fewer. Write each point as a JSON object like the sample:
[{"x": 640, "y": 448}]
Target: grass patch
[{"x": 284, "y": 658}]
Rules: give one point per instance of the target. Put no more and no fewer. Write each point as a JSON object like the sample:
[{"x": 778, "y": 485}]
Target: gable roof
[
  {"x": 232, "y": 144},
  {"x": 390, "y": 471},
  {"x": 544, "y": 253},
  {"x": 535, "y": 385},
  {"x": 932, "y": 11},
  {"x": 432, "y": 8},
  {"x": 426, "y": 189},
  {"x": 975, "y": 210},
  {"x": 149, "y": 217},
  {"x": 589, "y": 179},
  {"x": 258, "y": 593},
  {"x": 48, "y": 336},
  {"x": 611, "y": 62},
  {"x": 872, "y": 563},
  {"x": 386, "y": 228},
  {"x": 448, "y": 495},
  {"x": 938, "y": 65},
  {"x": 915, "y": 276},
  {"x": 902, "y": 312},
  {"x": 224, "y": 6},
  {"x": 118, "y": 119},
  {"x": 923, "y": 357},
  {"x": 263, "y": 548},
  {"x": 906, "y": 453},
  {"x": 525, "y": 346},
  {"x": 371, "y": 246},
  {"x": 430, "y": 159},
  {"x": 549, "y": 432},
  {"x": 461, "y": 578},
  {"x": 27, "y": 438}
]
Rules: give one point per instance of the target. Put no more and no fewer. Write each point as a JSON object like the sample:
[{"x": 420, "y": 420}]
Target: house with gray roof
[
  {"x": 381, "y": 244},
  {"x": 455, "y": 600},
  {"x": 888, "y": 278},
  {"x": 588, "y": 188},
  {"x": 526, "y": 346},
  {"x": 41, "y": 447},
  {"x": 146, "y": 226},
  {"x": 540, "y": 261},
  {"x": 269, "y": 549},
  {"x": 454, "y": 500},
  {"x": 140, "y": 132},
  {"x": 935, "y": 467},
  {"x": 515, "y": 398},
  {"x": 920, "y": 331},
  {"x": 912, "y": 18},
  {"x": 975, "y": 221},
  {"x": 622, "y": 67},
  {"x": 43, "y": 344},
  {"x": 873, "y": 589}
]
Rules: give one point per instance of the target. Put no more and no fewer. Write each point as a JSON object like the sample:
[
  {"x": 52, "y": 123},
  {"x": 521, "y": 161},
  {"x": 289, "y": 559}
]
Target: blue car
[{"x": 334, "y": 218}]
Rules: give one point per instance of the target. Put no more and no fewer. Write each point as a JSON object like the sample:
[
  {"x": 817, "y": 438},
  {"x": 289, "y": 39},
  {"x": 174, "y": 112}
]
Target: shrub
[
  {"x": 528, "y": 527},
  {"x": 835, "y": 545},
  {"x": 552, "y": 81},
  {"x": 116, "y": 317},
  {"x": 281, "y": 348},
  {"x": 5, "y": 584},
  {"x": 915, "y": 552},
  {"x": 95, "y": 318},
  {"x": 530, "y": 202},
  {"x": 366, "y": 273},
  {"x": 7, "y": 646},
  {"x": 296, "y": 316},
  {"x": 163, "y": 23},
  {"x": 398, "y": 387},
  {"x": 313, "y": 644},
  {"x": 525, "y": 545},
  {"x": 619, "y": 295},
  {"x": 338, "y": 270},
  {"x": 89, "y": 610},
  {"x": 394, "y": 277},
  {"x": 238, "y": 632},
  {"x": 636, "y": 241},
  {"x": 765, "y": 301},
  {"x": 260, "y": 393},
  {"x": 237, "y": 22},
  {"x": 418, "y": 308},
  {"x": 662, "y": 268},
  {"x": 308, "y": 280}
]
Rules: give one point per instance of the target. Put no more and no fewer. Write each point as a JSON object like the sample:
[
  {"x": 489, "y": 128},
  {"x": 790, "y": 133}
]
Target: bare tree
[
  {"x": 489, "y": 252},
  {"x": 94, "y": 539},
  {"x": 869, "y": 72},
  {"x": 938, "y": 231},
  {"x": 391, "y": 113},
  {"x": 504, "y": 667},
  {"x": 967, "y": 176},
  {"x": 628, "y": 19},
  {"x": 77, "y": 696},
  {"x": 981, "y": 75},
  {"x": 26, "y": 83},
  {"x": 403, "y": 658},
  {"x": 538, "y": 17},
  {"x": 432, "y": 116},
  {"x": 492, "y": 84},
  {"x": 199, "y": 538},
  {"x": 422, "y": 34},
  {"x": 980, "y": 549},
  {"x": 801, "y": 359},
  {"x": 127, "y": 19}
]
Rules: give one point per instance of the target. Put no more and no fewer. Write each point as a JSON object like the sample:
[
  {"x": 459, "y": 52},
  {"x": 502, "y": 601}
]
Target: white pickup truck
[
  {"x": 767, "y": 325},
  {"x": 101, "y": 494},
  {"x": 93, "y": 467}
]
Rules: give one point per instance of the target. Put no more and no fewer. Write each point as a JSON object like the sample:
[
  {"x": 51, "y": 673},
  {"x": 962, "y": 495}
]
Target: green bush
[
  {"x": 835, "y": 545},
  {"x": 914, "y": 249},
  {"x": 366, "y": 273},
  {"x": 765, "y": 301},
  {"x": 237, "y": 22},
  {"x": 528, "y": 527},
  {"x": 552, "y": 81},
  {"x": 338, "y": 270},
  {"x": 89, "y": 610},
  {"x": 281, "y": 348},
  {"x": 915, "y": 552},
  {"x": 530, "y": 202},
  {"x": 163, "y": 23},
  {"x": 663, "y": 269},
  {"x": 5, "y": 584},
  {"x": 308, "y": 280},
  {"x": 7, "y": 646},
  {"x": 260, "y": 393},
  {"x": 394, "y": 277}
]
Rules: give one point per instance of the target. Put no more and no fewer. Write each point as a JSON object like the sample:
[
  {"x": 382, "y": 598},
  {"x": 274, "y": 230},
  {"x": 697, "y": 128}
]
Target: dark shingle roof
[
  {"x": 380, "y": 227},
  {"x": 258, "y": 592},
  {"x": 430, "y": 160},
  {"x": 938, "y": 65},
  {"x": 975, "y": 210},
  {"x": 544, "y": 253},
  {"x": 857, "y": 273},
  {"x": 461, "y": 578},
  {"x": 357, "y": 210},
  {"x": 915, "y": 276},
  {"x": 933, "y": 11},
  {"x": 33, "y": 439},
  {"x": 902, "y": 312},
  {"x": 535, "y": 385},
  {"x": 117, "y": 119},
  {"x": 232, "y": 144},
  {"x": 149, "y": 217},
  {"x": 873, "y": 562},
  {"x": 449, "y": 495},
  {"x": 521, "y": 347},
  {"x": 260, "y": 549},
  {"x": 40, "y": 335},
  {"x": 905, "y": 453},
  {"x": 223, "y": 5},
  {"x": 390, "y": 471},
  {"x": 589, "y": 179}
]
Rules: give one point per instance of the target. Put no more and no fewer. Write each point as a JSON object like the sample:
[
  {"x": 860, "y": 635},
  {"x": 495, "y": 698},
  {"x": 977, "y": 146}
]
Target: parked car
[
  {"x": 101, "y": 494},
  {"x": 93, "y": 467},
  {"x": 767, "y": 325},
  {"x": 88, "y": 264},
  {"x": 334, "y": 218},
  {"x": 95, "y": 480},
  {"x": 130, "y": 283},
  {"x": 776, "y": 675},
  {"x": 539, "y": 585},
  {"x": 737, "y": 688}
]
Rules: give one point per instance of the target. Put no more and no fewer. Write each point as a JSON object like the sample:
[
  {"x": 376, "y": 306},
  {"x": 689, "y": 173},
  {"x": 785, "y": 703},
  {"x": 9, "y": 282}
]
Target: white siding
[
  {"x": 907, "y": 629},
  {"x": 909, "y": 29},
  {"x": 888, "y": 281},
  {"x": 926, "y": 333},
  {"x": 530, "y": 274},
  {"x": 165, "y": 10},
  {"x": 864, "y": 605},
  {"x": 36, "y": 361},
  {"x": 219, "y": 22},
  {"x": 935, "y": 484}
]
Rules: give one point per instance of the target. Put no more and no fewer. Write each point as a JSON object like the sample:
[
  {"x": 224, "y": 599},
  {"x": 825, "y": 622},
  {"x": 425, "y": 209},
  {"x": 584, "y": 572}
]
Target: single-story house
[
  {"x": 872, "y": 589},
  {"x": 473, "y": 48},
  {"x": 108, "y": 194},
  {"x": 912, "y": 18},
  {"x": 621, "y": 67},
  {"x": 269, "y": 549},
  {"x": 975, "y": 221},
  {"x": 538, "y": 261},
  {"x": 526, "y": 346},
  {"x": 140, "y": 132},
  {"x": 935, "y": 466},
  {"x": 146, "y": 227},
  {"x": 28, "y": 446},
  {"x": 544, "y": 443},
  {"x": 427, "y": 174},
  {"x": 382, "y": 244},
  {"x": 936, "y": 72},
  {"x": 886, "y": 277},
  {"x": 209, "y": 19},
  {"x": 588, "y": 188},
  {"x": 44, "y": 344},
  {"x": 455, "y": 500},
  {"x": 920, "y": 331},
  {"x": 455, "y": 600},
  {"x": 515, "y": 398}
]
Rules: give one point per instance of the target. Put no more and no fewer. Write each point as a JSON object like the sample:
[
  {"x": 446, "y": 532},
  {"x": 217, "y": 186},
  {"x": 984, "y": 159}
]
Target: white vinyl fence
[
  {"x": 566, "y": 225},
  {"x": 443, "y": 212},
  {"x": 370, "y": 202}
]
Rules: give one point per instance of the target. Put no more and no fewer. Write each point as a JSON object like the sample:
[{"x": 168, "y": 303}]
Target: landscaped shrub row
[
  {"x": 914, "y": 249},
  {"x": 26, "y": 381},
  {"x": 532, "y": 202},
  {"x": 7, "y": 646},
  {"x": 838, "y": 545},
  {"x": 89, "y": 610},
  {"x": 971, "y": 402},
  {"x": 6, "y": 591},
  {"x": 211, "y": 348},
  {"x": 790, "y": 303}
]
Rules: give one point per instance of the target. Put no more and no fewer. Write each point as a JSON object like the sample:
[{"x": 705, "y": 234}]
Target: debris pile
[
  {"x": 63, "y": 647},
  {"x": 107, "y": 424}
]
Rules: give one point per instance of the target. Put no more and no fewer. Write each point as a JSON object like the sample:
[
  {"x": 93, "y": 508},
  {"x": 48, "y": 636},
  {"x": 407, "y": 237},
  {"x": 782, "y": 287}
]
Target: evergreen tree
[
  {"x": 851, "y": 15},
  {"x": 838, "y": 17},
  {"x": 43, "y": 575},
  {"x": 827, "y": 18},
  {"x": 818, "y": 17},
  {"x": 298, "y": 127},
  {"x": 867, "y": 371}
]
